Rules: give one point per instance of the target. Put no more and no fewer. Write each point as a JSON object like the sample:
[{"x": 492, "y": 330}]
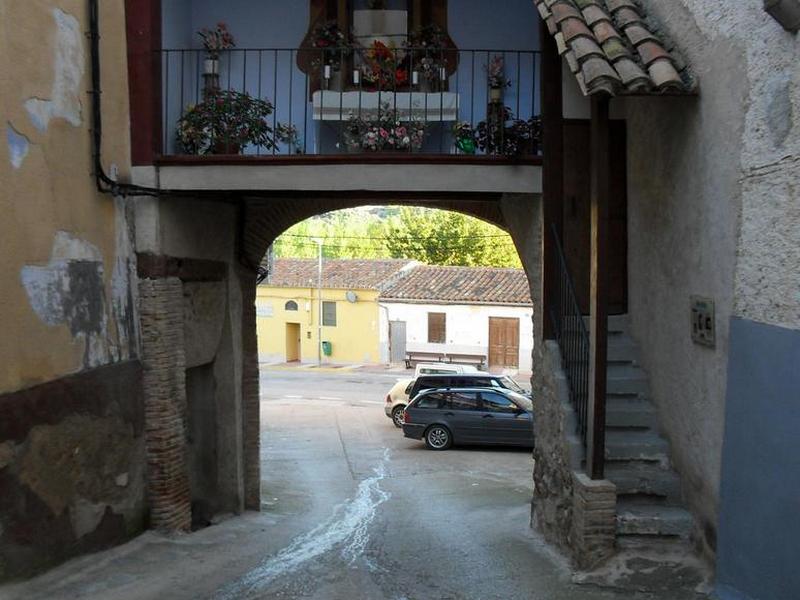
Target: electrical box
[{"x": 703, "y": 321}]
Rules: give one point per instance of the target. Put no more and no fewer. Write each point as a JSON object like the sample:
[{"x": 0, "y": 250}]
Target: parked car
[
  {"x": 397, "y": 398},
  {"x": 443, "y": 417}
]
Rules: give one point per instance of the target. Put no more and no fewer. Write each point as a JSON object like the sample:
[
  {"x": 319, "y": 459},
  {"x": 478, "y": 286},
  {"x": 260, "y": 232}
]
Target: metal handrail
[{"x": 573, "y": 340}]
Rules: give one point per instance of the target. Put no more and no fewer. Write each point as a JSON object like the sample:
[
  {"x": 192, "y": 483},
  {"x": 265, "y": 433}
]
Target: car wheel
[
  {"x": 438, "y": 437},
  {"x": 397, "y": 415}
]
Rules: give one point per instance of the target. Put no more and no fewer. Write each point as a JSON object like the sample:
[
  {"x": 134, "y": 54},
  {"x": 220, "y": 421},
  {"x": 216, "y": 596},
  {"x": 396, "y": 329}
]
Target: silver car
[{"x": 443, "y": 417}]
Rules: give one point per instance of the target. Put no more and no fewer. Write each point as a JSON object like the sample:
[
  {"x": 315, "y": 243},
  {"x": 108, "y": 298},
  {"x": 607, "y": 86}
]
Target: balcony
[{"x": 319, "y": 117}]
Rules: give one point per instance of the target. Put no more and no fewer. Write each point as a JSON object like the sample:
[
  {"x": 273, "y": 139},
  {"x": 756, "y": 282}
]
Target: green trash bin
[{"x": 327, "y": 348}]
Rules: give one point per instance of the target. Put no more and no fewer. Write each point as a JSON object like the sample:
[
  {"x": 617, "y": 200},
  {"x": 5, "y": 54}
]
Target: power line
[
  {"x": 357, "y": 237},
  {"x": 364, "y": 248}
]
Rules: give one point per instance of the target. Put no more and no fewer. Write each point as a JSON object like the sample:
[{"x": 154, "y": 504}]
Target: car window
[
  {"x": 408, "y": 388},
  {"x": 433, "y": 400},
  {"x": 522, "y": 401},
  {"x": 494, "y": 402},
  {"x": 463, "y": 400}
]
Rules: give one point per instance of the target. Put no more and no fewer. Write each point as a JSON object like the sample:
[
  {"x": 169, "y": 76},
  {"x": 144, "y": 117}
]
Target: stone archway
[{"x": 197, "y": 286}]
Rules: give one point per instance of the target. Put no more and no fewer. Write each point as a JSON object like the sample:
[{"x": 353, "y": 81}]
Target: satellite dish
[{"x": 351, "y": 296}]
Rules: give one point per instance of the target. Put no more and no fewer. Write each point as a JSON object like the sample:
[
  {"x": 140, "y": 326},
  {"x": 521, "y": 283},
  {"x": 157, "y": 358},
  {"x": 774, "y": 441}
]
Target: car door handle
[{"x": 488, "y": 417}]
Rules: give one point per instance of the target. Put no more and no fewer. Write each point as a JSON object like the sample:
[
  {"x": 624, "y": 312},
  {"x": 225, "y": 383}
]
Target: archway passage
[{"x": 197, "y": 292}]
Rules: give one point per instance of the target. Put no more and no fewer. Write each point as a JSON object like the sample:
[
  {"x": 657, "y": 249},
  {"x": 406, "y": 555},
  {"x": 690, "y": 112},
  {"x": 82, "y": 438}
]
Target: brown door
[{"x": 503, "y": 342}]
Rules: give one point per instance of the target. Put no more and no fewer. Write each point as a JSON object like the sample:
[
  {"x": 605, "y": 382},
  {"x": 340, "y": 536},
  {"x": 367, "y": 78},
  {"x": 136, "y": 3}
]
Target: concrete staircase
[{"x": 649, "y": 500}]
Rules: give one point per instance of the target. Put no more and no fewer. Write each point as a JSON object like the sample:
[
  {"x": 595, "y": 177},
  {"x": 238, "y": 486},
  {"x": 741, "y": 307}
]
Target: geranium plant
[
  {"x": 216, "y": 40},
  {"x": 508, "y": 135},
  {"x": 225, "y": 122},
  {"x": 385, "y": 132}
]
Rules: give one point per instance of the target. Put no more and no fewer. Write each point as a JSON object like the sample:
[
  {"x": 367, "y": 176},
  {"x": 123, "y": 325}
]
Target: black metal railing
[
  {"x": 573, "y": 339},
  {"x": 330, "y": 100}
]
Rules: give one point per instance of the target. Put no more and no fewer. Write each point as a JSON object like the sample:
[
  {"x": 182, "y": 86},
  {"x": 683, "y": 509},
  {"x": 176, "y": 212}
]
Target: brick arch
[{"x": 265, "y": 220}]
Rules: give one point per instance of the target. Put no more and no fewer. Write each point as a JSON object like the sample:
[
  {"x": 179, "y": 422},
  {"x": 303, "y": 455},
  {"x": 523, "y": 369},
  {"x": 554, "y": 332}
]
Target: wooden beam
[
  {"x": 143, "y": 30},
  {"x": 598, "y": 303},
  {"x": 552, "y": 173}
]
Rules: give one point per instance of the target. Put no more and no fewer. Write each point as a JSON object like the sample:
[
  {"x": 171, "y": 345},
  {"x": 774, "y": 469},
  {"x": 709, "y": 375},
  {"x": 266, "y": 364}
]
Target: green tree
[
  {"x": 431, "y": 236},
  {"x": 440, "y": 237}
]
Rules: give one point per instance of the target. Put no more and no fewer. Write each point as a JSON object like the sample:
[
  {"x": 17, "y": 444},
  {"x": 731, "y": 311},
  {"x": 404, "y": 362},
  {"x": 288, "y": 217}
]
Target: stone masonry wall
[
  {"x": 250, "y": 395},
  {"x": 164, "y": 382}
]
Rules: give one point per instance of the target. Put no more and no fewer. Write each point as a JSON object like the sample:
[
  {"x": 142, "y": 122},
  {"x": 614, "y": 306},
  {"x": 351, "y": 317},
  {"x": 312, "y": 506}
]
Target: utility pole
[{"x": 318, "y": 242}]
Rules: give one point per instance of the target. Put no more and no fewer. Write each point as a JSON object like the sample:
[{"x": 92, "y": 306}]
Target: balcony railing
[{"x": 346, "y": 100}]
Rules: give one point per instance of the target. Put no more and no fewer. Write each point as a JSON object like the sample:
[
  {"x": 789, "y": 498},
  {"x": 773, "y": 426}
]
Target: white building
[{"x": 473, "y": 311}]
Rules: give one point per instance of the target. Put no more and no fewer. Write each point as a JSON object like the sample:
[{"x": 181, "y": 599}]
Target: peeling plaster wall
[
  {"x": 65, "y": 250},
  {"x": 71, "y": 425},
  {"x": 713, "y": 211}
]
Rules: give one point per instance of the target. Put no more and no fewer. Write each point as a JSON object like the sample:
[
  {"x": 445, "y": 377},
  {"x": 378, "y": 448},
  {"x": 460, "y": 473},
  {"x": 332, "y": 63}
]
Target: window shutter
[
  {"x": 437, "y": 331},
  {"x": 329, "y": 314}
]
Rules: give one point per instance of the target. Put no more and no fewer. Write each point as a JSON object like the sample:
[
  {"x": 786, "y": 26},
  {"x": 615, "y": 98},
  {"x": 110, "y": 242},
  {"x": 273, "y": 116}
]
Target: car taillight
[
  {"x": 388, "y": 399},
  {"x": 406, "y": 416}
]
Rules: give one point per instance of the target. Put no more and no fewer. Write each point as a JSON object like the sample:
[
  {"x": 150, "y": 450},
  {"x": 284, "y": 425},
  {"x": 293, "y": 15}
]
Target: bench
[
  {"x": 412, "y": 358},
  {"x": 467, "y": 359}
]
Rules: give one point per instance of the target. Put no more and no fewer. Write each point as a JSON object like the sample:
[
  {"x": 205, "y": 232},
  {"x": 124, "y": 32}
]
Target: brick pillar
[
  {"x": 164, "y": 380},
  {"x": 251, "y": 421},
  {"x": 594, "y": 513}
]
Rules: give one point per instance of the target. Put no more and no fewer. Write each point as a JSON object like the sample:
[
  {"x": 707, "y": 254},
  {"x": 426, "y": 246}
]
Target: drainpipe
[
  {"x": 104, "y": 183},
  {"x": 388, "y": 334}
]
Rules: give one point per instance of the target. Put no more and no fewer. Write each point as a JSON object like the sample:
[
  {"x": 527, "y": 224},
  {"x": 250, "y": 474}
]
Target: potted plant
[
  {"x": 215, "y": 41},
  {"x": 384, "y": 133},
  {"x": 333, "y": 47},
  {"x": 508, "y": 136},
  {"x": 496, "y": 78},
  {"x": 426, "y": 51},
  {"x": 464, "y": 137},
  {"x": 225, "y": 122},
  {"x": 381, "y": 69}
]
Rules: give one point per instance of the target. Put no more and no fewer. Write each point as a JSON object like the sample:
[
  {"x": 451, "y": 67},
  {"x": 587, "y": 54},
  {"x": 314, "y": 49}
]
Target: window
[
  {"x": 329, "y": 314},
  {"x": 290, "y": 305},
  {"x": 497, "y": 403},
  {"x": 437, "y": 331},
  {"x": 463, "y": 400},
  {"x": 434, "y": 400}
]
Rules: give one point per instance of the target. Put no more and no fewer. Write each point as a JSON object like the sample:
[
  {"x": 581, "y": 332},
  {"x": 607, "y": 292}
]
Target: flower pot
[
  {"x": 226, "y": 147},
  {"x": 495, "y": 94},
  {"x": 211, "y": 66}
]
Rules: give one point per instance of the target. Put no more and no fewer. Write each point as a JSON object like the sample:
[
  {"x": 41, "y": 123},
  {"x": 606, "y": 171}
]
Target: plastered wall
[
  {"x": 713, "y": 212},
  {"x": 65, "y": 250}
]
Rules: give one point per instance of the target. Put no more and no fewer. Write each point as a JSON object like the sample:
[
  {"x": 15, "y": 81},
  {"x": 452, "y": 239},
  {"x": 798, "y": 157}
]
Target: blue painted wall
[
  {"x": 272, "y": 24},
  {"x": 758, "y": 554}
]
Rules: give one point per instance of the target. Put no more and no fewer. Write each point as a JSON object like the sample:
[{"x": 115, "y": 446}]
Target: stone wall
[{"x": 72, "y": 467}]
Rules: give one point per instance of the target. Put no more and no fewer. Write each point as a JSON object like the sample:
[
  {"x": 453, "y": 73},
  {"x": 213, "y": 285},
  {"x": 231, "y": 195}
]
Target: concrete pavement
[{"x": 351, "y": 510}]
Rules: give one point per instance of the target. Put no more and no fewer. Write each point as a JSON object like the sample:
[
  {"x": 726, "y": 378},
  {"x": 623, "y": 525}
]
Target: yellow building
[{"x": 289, "y": 305}]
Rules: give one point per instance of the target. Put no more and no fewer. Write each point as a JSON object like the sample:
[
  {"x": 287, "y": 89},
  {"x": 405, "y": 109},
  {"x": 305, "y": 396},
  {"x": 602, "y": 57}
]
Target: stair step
[
  {"x": 645, "y": 478},
  {"x": 653, "y": 520},
  {"x": 636, "y": 445},
  {"x": 622, "y": 349},
  {"x": 626, "y": 379},
  {"x": 626, "y": 412},
  {"x": 616, "y": 324}
]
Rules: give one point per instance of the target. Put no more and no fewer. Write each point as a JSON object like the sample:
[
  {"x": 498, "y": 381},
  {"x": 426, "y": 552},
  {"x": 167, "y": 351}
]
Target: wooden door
[
  {"x": 292, "y": 342},
  {"x": 503, "y": 342},
  {"x": 577, "y": 214}
]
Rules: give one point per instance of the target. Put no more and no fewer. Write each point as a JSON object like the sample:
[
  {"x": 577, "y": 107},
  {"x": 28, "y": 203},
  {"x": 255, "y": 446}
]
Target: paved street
[{"x": 351, "y": 510}]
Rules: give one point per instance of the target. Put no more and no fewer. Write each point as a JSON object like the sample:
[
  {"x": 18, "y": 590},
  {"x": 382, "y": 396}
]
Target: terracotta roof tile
[
  {"x": 336, "y": 273},
  {"x": 482, "y": 285},
  {"x": 611, "y": 47}
]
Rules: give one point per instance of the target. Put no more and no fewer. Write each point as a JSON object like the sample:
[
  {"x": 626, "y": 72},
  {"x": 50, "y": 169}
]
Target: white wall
[{"x": 467, "y": 327}]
